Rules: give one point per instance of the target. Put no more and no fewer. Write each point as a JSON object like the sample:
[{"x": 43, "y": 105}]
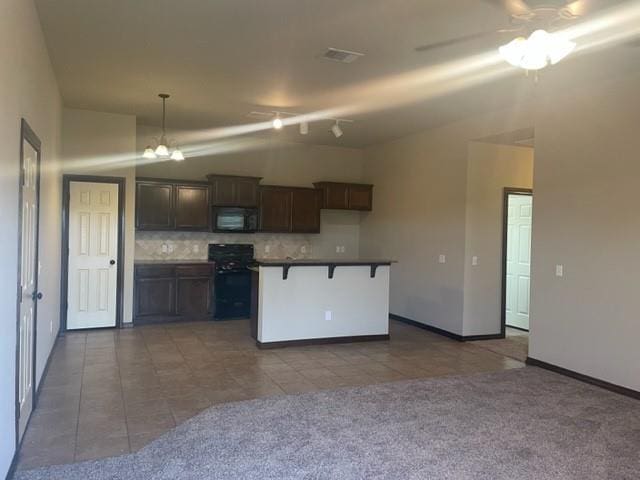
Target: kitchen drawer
[
  {"x": 155, "y": 271},
  {"x": 193, "y": 271}
]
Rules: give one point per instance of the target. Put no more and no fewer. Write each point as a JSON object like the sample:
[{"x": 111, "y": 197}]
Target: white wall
[
  {"x": 420, "y": 212},
  {"x": 97, "y": 143},
  {"x": 586, "y": 218},
  {"x": 294, "y": 309},
  {"x": 28, "y": 89},
  {"x": 490, "y": 168}
]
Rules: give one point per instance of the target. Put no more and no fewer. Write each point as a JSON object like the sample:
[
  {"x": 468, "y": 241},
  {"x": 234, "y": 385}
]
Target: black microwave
[{"x": 231, "y": 219}]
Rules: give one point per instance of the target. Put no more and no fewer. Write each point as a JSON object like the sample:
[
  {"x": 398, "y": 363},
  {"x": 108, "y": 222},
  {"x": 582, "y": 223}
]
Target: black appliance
[
  {"x": 232, "y": 291},
  {"x": 232, "y": 219}
]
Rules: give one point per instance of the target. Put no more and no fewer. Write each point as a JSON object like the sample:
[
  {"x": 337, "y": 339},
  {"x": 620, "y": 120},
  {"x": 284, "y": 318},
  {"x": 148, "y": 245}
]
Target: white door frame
[
  {"x": 508, "y": 191},
  {"x": 64, "y": 276},
  {"x": 27, "y": 135}
]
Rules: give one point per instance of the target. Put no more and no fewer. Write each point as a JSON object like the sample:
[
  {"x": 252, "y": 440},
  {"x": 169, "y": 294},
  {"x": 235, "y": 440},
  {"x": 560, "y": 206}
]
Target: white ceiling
[{"x": 221, "y": 59}]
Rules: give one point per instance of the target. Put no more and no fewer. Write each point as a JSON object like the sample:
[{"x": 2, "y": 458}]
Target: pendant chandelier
[{"x": 163, "y": 149}]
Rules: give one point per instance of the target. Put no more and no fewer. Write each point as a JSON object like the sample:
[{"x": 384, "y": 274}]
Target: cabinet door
[
  {"x": 194, "y": 297},
  {"x": 336, "y": 196},
  {"x": 275, "y": 209},
  {"x": 192, "y": 207},
  {"x": 155, "y": 296},
  {"x": 246, "y": 193},
  {"x": 360, "y": 197},
  {"x": 305, "y": 210},
  {"x": 223, "y": 191},
  {"x": 154, "y": 206}
]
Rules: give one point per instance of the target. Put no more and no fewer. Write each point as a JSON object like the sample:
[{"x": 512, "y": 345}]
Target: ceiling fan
[{"x": 531, "y": 20}]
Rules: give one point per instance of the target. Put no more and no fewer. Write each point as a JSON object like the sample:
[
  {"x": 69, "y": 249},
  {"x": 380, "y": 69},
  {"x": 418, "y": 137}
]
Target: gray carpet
[{"x": 519, "y": 424}]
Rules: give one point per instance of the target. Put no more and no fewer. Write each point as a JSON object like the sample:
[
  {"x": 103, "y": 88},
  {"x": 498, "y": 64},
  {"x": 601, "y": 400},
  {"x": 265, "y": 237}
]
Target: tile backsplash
[{"x": 194, "y": 245}]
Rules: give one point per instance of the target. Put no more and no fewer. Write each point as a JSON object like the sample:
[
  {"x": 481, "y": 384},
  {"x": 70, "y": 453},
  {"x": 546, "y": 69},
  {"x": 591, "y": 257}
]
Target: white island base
[{"x": 306, "y": 302}]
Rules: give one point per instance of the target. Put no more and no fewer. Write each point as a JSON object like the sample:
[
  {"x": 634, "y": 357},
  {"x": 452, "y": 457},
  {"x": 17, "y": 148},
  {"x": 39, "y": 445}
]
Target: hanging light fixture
[
  {"x": 162, "y": 150},
  {"x": 538, "y": 51}
]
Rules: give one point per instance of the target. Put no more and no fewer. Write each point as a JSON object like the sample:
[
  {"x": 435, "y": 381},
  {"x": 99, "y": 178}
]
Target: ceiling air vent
[{"x": 342, "y": 56}]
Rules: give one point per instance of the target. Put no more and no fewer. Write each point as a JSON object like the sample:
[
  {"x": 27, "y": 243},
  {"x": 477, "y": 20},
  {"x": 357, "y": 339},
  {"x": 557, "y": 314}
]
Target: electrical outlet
[
  {"x": 328, "y": 315},
  {"x": 303, "y": 249},
  {"x": 559, "y": 270},
  {"x": 267, "y": 248},
  {"x": 442, "y": 259},
  {"x": 196, "y": 248},
  {"x": 164, "y": 248},
  {"x": 337, "y": 248},
  {"x": 474, "y": 260}
]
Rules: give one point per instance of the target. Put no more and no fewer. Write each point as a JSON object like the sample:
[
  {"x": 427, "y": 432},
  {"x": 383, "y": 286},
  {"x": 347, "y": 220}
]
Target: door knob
[
  {"x": 36, "y": 296},
  {"x": 112, "y": 262}
]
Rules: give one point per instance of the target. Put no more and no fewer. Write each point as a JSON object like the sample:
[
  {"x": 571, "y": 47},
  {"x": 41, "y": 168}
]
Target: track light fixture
[
  {"x": 277, "y": 121},
  {"x": 336, "y": 130}
]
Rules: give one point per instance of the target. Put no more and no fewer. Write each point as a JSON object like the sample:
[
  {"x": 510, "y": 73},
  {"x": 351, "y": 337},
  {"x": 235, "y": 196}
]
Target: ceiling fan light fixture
[
  {"x": 277, "y": 123},
  {"x": 538, "y": 51}
]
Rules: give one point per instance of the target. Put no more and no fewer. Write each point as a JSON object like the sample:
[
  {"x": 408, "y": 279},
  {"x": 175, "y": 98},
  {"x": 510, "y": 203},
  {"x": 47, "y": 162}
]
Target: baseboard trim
[
  {"x": 628, "y": 392},
  {"x": 321, "y": 341},
  {"x": 446, "y": 333},
  {"x": 45, "y": 371},
  {"x": 12, "y": 466},
  {"x": 429, "y": 328}
]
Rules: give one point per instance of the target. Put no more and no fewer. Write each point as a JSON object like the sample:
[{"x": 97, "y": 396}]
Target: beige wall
[
  {"x": 586, "y": 218},
  {"x": 420, "y": 212},
  {"x": 28, "y": 89},
  {"x": 490, "y": 168},
  {"x": 279, "y": 163},
  {"x": 96, "y": 143}
]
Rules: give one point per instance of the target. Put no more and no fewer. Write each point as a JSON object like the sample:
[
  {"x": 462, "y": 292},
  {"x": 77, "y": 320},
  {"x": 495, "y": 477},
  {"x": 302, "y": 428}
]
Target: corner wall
[
  {"x": 29, "y": 90},
  {"x": 104, "y": 144},
  {"x": 490, "y": 169},
  {"x": 420, "y": 188},
  {"x": 586, "y": 218}
]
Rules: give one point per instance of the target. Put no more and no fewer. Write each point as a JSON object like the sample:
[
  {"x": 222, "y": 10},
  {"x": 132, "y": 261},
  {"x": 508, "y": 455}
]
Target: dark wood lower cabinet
[{"x": 172, "y": 293}]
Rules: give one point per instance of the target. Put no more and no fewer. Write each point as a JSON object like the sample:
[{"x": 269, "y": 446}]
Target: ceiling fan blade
[
  {"x": 455, "y": 41},
  {"x": 513, "y": 7},
  {"x": 580, "y": 8}
]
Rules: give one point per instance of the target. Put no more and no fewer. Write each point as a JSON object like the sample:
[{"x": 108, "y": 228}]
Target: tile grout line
[
  {"x": 84, "y": 359},
  {"x": 124, "y": 408}
]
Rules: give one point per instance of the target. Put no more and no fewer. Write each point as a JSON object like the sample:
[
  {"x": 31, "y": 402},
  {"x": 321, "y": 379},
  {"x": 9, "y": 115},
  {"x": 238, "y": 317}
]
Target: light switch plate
[
  {"x": 474, "y": 260},
  {"x": 267, "y": 248},
  {"x": 442, "y": 259},
  {"x": 303, "y": 249},
  {"x": 328, "y": 314},
  {"x": 559, "y": 270},
  {"x": 164, "y": 248}
]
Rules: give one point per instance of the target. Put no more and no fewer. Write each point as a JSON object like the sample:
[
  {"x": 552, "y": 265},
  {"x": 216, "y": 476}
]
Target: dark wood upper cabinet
[
  {"x": 360, "y": 197},
  {"x": 192, "y": 207},
  {"x": 346, "y": 196},
  {"x": 305, "y": 210},
  {"x": 154, "y": 206},
  {"x": 233, "y": 191},
  {"x": 171, "y": 205},
  {"x": 275, "y": 209}
]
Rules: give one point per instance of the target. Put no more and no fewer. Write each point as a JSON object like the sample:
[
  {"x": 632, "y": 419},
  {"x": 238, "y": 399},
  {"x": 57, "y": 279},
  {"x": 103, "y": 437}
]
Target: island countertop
[{"x": 321, "y": 262}]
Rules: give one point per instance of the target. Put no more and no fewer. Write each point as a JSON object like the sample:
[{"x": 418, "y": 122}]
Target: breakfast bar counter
[{"x": 320, "y": 301}]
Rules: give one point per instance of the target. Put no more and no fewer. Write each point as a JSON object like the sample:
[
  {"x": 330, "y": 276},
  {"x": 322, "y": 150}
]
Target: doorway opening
[
  {"x": 92, "y": 252},
  {"x": 516, "y": 261}
]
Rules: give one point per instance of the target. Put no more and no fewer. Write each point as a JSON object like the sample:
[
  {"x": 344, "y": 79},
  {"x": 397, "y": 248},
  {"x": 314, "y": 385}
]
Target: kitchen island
[{"x": 298, "y": 302}]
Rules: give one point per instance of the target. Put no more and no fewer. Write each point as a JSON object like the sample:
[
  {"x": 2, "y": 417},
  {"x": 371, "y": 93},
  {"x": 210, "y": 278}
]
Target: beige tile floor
[{"x": 113, "y": 391}]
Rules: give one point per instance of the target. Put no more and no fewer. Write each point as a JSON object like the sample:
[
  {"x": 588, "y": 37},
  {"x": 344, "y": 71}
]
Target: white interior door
[
  {"x": 93, "y": 247},
  {"x": 520, "y": 209},
  {"x": 28, "y": 284}
]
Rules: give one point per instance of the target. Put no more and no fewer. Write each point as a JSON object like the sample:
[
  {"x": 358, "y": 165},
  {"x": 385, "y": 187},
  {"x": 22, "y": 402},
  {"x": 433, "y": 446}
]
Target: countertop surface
[
  {"x": 278, "y": 262},
  {"x": 172, "y": 262}
]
